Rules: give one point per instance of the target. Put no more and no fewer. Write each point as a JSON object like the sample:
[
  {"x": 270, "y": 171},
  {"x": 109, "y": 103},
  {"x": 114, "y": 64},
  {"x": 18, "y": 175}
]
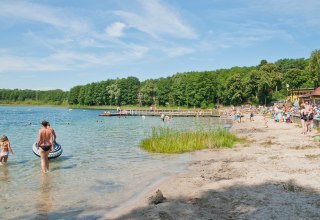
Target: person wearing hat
[
  {"x": 45, "y": 145},
  {"x": 5, "y": 149}
]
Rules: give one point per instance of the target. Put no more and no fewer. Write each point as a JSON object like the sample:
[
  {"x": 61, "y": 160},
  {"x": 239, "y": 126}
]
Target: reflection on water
[
  {"x": 4, "y": 175},
  {"x": 45, "y": 199},
  {"x": 5, "y": 179}
]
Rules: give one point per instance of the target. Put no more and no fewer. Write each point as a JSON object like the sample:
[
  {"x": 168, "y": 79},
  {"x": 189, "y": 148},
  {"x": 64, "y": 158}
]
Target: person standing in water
[
  {"x": 45, "y": 145},
  {"x": 54, "y": 136},
  {"x": 5, "y": 148}
]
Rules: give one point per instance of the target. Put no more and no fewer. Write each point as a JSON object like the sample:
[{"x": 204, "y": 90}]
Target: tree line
[
  {"x": 257, "y": 84},
  {"x": 54, "y": 97}
]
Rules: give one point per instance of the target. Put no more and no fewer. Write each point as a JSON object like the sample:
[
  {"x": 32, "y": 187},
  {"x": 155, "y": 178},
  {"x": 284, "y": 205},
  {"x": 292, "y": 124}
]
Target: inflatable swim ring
[{"x": 54, "y": 154}]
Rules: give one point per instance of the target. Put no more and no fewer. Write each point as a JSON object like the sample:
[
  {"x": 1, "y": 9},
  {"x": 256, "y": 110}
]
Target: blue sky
[{"x": 58, "y": 44}]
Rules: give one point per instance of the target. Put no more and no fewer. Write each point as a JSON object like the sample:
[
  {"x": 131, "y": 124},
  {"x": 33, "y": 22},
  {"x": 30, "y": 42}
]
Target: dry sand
[{"x": 274, "y": 175}]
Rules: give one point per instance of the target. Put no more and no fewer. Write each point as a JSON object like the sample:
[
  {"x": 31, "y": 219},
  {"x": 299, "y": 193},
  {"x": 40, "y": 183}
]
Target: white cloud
[
  {"x": 42, "y": 14},
  {"x": 136, "y": 51},
  {"x": 116, "y": 29},
  {"x": 236, "y": 34},
  {"x": 73, "y": 43},
  {"x": 17, "y": 63},
  {"x": 157, "y": 19},
  {"x": 178, "y": 51},
  {"x": 68, "y": 60},
  {"x": 295, "y": 13}
]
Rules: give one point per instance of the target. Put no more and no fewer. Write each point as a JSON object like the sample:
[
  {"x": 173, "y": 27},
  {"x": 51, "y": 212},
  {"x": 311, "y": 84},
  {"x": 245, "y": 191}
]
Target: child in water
[{"x": 5, "y": 149}]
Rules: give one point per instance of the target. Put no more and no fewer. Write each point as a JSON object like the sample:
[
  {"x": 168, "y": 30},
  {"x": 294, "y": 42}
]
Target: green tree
[
  {"x": 270, "y": 81},
  {"x": 73, "y": 98},
  {"x": 129, "y": 88},
  {"x": 178, "y": 89},
  {"x": 314, "y": 67},
  {"x": 283, "y": 65},
  {"x": 295, "y": 78},
  {"x": 164, "y": 91},
  {"x": 114, "y": 93},
  {"x": 235, "y": 92},
  {"x": 148, "y": 92}
]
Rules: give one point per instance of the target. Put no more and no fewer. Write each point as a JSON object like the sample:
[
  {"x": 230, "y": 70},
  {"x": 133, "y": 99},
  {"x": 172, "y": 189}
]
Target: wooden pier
[{"x": 181, "y": 113}]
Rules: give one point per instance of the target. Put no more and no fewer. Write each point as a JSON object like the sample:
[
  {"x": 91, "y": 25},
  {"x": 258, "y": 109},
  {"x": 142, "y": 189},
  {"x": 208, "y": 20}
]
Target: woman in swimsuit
[
  {"x": 5, "y": 148},
  {"x": 45, "y": 144},
  {"x": 303, "y": 115},
  {"x": 308, "y": 119}
]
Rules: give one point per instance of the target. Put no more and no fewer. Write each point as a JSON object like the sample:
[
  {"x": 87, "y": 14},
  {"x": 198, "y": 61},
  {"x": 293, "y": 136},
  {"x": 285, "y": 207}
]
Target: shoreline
[
  {"x": 138, "y": 200},
  {"x": 273, "y": 175}
]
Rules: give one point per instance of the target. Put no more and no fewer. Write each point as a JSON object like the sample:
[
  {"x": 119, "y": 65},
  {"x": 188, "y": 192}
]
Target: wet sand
[{"x": 273, "y": 175}]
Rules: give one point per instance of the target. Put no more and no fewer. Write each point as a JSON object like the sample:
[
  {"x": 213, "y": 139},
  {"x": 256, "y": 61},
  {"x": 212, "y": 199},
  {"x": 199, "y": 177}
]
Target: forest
[{"x": 259, "y": 84}]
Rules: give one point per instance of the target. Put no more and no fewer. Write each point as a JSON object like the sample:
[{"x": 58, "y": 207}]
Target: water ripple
[{"x": 101, "y": 156}]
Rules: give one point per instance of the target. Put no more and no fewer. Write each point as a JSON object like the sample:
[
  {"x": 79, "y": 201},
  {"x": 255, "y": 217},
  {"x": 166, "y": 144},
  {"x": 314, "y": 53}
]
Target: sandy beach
[{"x": 273, "y": 175}]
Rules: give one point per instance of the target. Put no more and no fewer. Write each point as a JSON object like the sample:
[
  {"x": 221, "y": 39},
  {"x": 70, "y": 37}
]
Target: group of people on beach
[
  {"x": 45, "y": 144},
  {"x": 280, "y": 113}
]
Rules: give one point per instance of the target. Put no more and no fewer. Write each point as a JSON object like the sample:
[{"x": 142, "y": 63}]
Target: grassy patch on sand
[
  {"x": 166, "y": 140},
  {"x": 312, "y": 156}
]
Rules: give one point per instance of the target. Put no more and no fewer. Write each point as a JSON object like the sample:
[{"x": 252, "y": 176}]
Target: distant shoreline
[{"x": 103, "y": 107}]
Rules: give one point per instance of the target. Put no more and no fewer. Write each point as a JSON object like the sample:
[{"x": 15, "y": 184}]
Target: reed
[{"x": 166, "y": 140}]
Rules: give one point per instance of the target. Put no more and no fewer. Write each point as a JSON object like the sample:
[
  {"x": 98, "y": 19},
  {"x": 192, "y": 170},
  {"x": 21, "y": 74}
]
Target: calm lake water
[{"x": 101, "y": 168}]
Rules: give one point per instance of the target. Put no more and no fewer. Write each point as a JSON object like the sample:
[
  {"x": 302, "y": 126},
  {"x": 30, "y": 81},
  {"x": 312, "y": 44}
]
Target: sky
[{"x": 58, "y": 44}]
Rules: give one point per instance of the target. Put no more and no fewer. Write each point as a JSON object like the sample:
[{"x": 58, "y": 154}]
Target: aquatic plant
[{"x": 166, "y": 140}]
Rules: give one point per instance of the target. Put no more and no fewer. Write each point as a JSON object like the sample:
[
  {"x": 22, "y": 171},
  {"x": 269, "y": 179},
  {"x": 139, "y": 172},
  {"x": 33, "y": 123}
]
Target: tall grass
[{"x": 166, "y": 140}]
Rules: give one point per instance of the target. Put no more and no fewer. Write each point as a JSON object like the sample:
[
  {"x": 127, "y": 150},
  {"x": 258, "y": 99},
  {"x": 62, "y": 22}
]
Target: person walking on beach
[
  {"x": 45, "y": 145},
  {"x": 251, "y": 114},
  {"x": 239, "y": 115},
  {"x": 309, "y": 120},
  {"x": 303, "y": 117},
  {"x": 5, "y": 149}
]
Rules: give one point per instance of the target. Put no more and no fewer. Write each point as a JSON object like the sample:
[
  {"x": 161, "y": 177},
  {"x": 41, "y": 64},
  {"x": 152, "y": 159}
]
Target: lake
[{"x": 102, "y": 166}]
